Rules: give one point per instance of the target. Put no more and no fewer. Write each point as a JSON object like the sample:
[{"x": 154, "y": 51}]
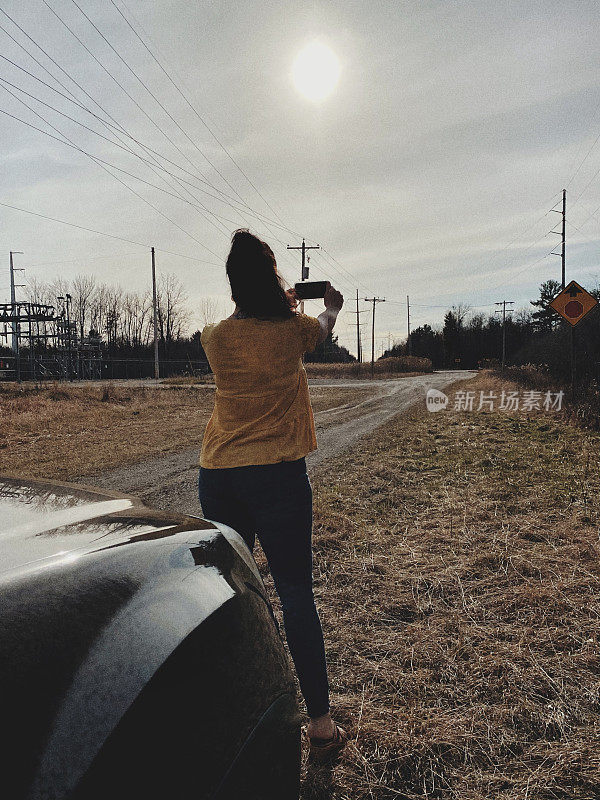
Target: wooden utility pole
[
  {"x": 358, "y": 353},
  {"x": 502, "y": 311},
  {"x": 373, "y": 300},
  {"x": 304, "y": 248},
  {"x": 156, "y": 364},
  {"x": 408, "y": 339},
  {"x": 563, "y": 237}
]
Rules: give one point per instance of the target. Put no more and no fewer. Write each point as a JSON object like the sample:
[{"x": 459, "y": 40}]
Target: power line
[
  {"x": 227, "y": 201},
  {"x": 72, "y": 98},
  {"x": 78, "y": 122},
  {"x": 154, "y": 97},
  {"x": 83, "y": 258},
  {"x": 190, "y": 104},
  {"x": 199, "y": 117},
  {"x": 120, "y": 130},
  {"x": 120, "y": 85},
  {"x": 104, "y": 122},
  {"x": 101, "y": 162},
  {"x": 109, "y": 235},
  {"x": 149, "y": 92},
  {"x": 123, "y": 89}
]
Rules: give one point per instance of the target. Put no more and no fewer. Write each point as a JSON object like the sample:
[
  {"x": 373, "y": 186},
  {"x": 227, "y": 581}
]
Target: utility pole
[
  {"x": 357, "y": 330},
  {"x": 408, "y": 339},
  {"x": 563, "y": 236},
  {"x": 13, "y": 302},
  {"x": 155, "y": 309},
  {"x": 304, "y": 248},
  {"x": 69, "y": 364},
  {"x": 359, "y": 324},
  {"x": 373, "y": 300},
  {"x": 502, "y": 311},
  {"x": 564, "y": 220},
  {"x": 563, "y": 283}
]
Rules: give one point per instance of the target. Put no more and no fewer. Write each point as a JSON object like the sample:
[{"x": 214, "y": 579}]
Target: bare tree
[
  {"x": 522, "y": 316},
  {"x": 460, "y": 312},
  {"x": 173, "y": 315},
  {"x": 59, "y": 287},
  {"x": 39, "y": 292},
  {"x": 83, "y": 288},
  {"x": 136, "y": 312},
  {"x": 210, "y": 309}
]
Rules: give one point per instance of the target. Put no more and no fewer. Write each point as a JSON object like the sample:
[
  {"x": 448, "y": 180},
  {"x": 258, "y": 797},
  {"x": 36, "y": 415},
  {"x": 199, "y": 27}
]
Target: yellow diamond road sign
[{"x": 573, "y": 303}]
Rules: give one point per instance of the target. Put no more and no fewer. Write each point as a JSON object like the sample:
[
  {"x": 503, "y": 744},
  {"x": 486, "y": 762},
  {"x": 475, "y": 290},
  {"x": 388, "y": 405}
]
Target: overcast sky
[{"x": 430, "y": 170}]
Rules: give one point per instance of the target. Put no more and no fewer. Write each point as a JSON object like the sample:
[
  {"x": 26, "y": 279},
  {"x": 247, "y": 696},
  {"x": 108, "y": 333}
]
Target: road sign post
[{"x": 573, "y": 303}]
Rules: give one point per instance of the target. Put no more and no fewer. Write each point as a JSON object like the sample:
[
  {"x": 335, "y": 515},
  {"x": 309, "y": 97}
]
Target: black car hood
[
  {"x": 41, "y": 522},
  {"x": 98, "y": 594}
]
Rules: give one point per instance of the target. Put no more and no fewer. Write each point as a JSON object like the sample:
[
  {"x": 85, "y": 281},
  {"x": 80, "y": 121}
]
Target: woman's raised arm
[{"x": 334, "y": 301}]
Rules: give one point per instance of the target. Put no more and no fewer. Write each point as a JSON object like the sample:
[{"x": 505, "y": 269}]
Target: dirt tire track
[{"x": 170, "y": 482}]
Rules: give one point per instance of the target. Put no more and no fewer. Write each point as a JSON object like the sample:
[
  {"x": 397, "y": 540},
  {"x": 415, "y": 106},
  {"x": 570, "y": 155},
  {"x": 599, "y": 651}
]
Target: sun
[{"x": 316, "y": 71}]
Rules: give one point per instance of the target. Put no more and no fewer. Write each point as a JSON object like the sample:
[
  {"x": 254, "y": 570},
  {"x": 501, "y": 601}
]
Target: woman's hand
[
  {"x": 333, "y": 302},
  {"x": 333, "y": 298}
]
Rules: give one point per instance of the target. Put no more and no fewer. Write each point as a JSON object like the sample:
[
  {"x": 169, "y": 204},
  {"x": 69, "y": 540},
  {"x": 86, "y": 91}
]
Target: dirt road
[{"x": 170, "y": 482}]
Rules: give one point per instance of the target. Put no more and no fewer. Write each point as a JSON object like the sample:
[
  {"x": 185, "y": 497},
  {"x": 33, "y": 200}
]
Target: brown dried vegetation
[
  {"x": 58, "y": 431},
  {"x": 456, "y": 572}
]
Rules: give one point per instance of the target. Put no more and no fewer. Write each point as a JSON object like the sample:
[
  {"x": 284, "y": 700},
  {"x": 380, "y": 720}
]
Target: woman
[{"x": 252, "y": 464}]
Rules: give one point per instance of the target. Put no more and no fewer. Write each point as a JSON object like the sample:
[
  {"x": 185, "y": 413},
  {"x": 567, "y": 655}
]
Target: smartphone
[{"x": 310, "y": 290}]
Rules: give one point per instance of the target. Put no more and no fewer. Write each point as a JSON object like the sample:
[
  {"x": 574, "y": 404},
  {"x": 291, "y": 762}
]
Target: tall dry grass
[
  {"x": 456, "y": 566},
  {"x": 384, "y": 366},
  {"x": 583, "y": 408}
]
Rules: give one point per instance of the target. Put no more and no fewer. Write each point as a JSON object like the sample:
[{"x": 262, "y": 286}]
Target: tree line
[
  {"x": 537, "y": 336},
  {"x": 121, "y": 321}
]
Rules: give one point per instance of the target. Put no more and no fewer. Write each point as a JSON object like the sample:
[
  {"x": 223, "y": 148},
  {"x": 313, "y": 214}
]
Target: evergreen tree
[
  {"x": 451, "y": 337},
  {"x": 545, "y": 319}
]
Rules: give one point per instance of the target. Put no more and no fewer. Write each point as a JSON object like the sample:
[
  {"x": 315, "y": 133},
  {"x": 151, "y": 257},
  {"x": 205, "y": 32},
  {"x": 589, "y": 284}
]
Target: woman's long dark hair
[{"x": 256, "y": 287}]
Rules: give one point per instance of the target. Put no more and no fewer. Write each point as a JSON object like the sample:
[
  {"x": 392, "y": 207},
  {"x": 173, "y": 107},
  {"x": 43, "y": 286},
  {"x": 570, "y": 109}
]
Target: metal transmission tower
[
  {"x": 15, "y": 321},
  {"x": 66, "y": 331},
  {"x": 31, "y": 321},
  {"x": 408, "y": 339},
  {"x": 373, "y": 300},
  {"x": 502, "y": 311}
]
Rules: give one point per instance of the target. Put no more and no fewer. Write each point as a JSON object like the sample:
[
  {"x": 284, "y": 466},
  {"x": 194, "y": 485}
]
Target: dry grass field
[
  {"x": 384, "y": 368},
  {"x": 456, "y": 570},
  {"x": 59, "y": 431},
  {"x": 456, "y": 565}
]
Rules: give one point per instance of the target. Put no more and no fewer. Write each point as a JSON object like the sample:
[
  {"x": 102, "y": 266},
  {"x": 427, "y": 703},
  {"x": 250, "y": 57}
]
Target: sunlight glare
[{"x": 316, "y": 71}]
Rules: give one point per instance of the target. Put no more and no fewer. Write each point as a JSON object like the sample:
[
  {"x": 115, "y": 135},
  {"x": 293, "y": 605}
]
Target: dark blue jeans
[{"x": 274, "y": 502}]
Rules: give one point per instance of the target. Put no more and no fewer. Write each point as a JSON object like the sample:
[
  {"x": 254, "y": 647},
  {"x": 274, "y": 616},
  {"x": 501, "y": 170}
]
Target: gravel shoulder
[{"x": 169, "y": 481}]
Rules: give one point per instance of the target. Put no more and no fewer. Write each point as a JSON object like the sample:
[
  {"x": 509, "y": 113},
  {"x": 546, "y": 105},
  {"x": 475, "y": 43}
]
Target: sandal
[{"x": 324, "y": 750}]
